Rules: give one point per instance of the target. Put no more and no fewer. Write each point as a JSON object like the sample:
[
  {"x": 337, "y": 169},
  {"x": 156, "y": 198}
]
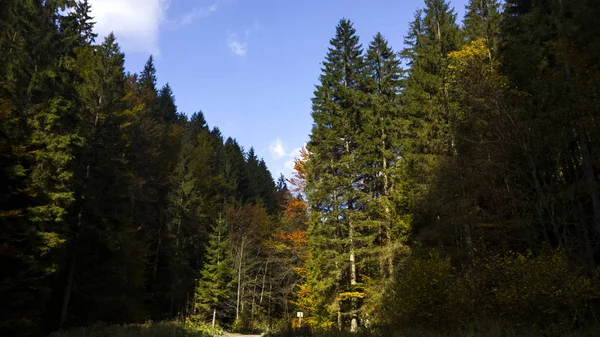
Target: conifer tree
[
  {"x": 166, "y": 104},
  {"x": 429, "y": 140},
  {"x": 100, "y": 221},
  {"x": 216, "y": 277},
  {"x": 381, "y": 149},
  {"x": 338, "y": 117},
  {"x": 482, "y": 21},
  {"x": 30, "y": 242},
  {"x": 235, "y": 171}
]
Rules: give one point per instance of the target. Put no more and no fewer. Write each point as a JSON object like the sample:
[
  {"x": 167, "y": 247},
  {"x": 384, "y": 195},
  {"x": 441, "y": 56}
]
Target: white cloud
[
  {"x": 135, "y": 22},
  {"x": 278, "y": 150},
  {"x": 240, "y": 46},
  {"x": 237, "y": 46},
  {"x": 200, "y": 12},
  {"x": 282, "y": 159}
]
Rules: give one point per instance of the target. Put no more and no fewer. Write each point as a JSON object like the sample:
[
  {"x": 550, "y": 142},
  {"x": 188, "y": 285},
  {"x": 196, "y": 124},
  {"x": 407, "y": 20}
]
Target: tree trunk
[
  {"x": 354, "y": 322},
  {"x": 214, "y": 317},
  {"x": 157, "y": 252},
  {"x": 262, "y": 290},
  {"x": 239, "y": 280},
  {"x": 67, "y": 295},
  {"x": 254, "y": 294}
]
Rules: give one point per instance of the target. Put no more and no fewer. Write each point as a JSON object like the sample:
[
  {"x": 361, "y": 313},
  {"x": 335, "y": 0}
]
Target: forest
[{"x": 449, "y": 188}]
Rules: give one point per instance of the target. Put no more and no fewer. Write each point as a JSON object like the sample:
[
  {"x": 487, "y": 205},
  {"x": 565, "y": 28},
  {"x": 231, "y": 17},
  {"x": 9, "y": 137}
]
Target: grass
[{"x": 150, "y": 329}]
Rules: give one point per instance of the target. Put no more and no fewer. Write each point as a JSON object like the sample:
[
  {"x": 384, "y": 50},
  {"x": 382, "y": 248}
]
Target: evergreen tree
[
  {"x": 100, "y": 222},
  {"x": 482, "y": 21},
  {"x": 338, "y": 119},
  {"x": 380, "y": 153},
  {"x": 30, "y": 241},
  {"x": 429, "y": 140},
  {"x": 216, "y": 279},
  {"x": 235, "y": 171},
  {"x": 166, "y": 105}
]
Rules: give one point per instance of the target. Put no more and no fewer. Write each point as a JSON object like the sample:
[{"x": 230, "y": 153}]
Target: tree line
[
  {"x": 455, "y": 183},
  {"x": 115, "y": 206}
]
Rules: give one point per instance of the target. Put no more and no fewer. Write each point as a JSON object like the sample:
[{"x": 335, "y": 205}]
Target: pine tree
[
  {"x": 338, "y": 119},
  {"x": 216, "y": 278}
]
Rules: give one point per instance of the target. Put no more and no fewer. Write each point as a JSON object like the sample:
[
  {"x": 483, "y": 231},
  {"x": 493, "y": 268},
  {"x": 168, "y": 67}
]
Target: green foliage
[
  {"x": 482, "y": 21},
  {"x": 540, "y": 293},
  {"x": 338, "y": 231},
  {"x": 205, "y": 329},
  {"x": 420, "y": 294},
  {"x": 167, "y": 329},
  {"x": 216, "y": 277}
]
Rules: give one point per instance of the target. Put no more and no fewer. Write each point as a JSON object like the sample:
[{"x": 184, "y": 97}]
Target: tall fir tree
[
  {"x": 429, "y": 140},
  {"x": 338, "y": 118},
  {"x": 380, "y": 154},
  {"x": 216, "y": 277}
]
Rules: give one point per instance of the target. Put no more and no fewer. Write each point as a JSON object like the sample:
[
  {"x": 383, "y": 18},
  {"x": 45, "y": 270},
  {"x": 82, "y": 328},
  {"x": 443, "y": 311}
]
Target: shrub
[{"x": 530, "y": 293}]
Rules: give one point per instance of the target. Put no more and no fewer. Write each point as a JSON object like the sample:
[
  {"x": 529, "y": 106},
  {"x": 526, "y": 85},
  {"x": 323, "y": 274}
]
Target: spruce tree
[
  {"x": 166, "y": 105},
  {"x": 235, "y": 171},
  {"x": 338, "y": 117},
  {"x": 482, "y": 21},
  {"x": 380, "y": 153},
  {"x": 429, "y": 141},
  {"x": 216, "y": 277}
]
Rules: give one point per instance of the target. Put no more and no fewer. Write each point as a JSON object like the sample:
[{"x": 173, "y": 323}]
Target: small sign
[{"x": 300, "y": 314}]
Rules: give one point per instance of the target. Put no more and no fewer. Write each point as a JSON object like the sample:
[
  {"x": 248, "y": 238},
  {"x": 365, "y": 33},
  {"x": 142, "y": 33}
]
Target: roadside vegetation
[{"x": 149, "y": 329}]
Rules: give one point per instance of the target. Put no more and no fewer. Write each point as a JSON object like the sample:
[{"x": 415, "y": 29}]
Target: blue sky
[{"x": 249, "y": 65}]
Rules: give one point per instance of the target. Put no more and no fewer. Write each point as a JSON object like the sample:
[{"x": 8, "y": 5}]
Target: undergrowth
[
  {"x": 487, "y": 330},
  {"x": 150, "y": 329}
]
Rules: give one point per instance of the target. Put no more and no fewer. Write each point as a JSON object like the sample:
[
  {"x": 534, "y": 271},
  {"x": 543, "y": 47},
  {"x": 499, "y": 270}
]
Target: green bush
[
  {"x": 541, "y": 292},
  {"x": 419, "y": 296},
  {"x": 523, "y": 292}
]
